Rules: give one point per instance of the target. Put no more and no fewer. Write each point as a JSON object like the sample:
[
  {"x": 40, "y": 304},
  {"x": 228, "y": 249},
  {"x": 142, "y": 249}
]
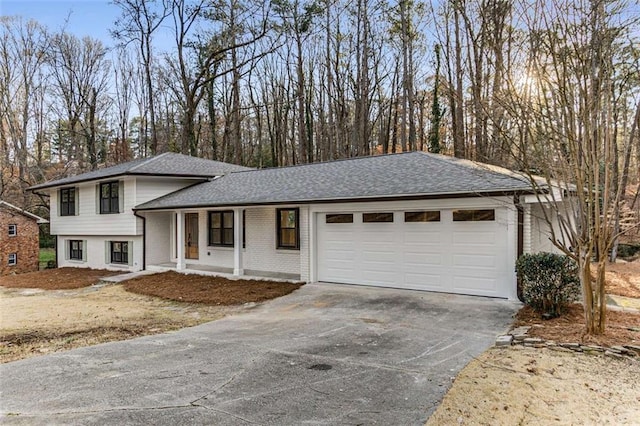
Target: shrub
[{"x": 549, "y": 282}]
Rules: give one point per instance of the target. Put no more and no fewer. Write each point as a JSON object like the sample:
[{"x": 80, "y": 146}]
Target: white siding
[
  {"x": 96, "y": 256},
  {"x": 540, "y": 231},
  {"x": 89, "y": 221},
  {"x": 158, "y": 238}
]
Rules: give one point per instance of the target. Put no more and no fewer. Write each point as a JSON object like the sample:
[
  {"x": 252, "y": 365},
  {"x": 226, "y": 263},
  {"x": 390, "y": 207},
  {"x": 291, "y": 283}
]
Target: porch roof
[{"x": 405, "y": 175}]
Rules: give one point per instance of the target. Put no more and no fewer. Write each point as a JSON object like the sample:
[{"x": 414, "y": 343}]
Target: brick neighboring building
[{"x": 19, "y": 239}]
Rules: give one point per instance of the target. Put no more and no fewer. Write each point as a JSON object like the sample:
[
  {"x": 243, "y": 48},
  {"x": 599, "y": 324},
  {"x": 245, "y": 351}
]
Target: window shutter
[
  {"x": 121, "y": 196},
  {"x": 130, "y": 253},
  {"x": 107, "y": 252},
  {"x": 59, "y": 192},
  {"x": 98, "y": 199},
  {"x": 66, "y": 249},
  {"x": 76, "y": 205},
  {"x": 84, "y": 250}
]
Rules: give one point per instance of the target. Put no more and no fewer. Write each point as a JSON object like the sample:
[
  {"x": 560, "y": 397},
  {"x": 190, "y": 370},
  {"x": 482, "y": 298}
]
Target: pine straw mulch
[
  {"x": 622, "y": 328},
  {"x": 208, "y": 290},
  {"x": 623, "y": 279},
  {"x": 57, "y": 279}
]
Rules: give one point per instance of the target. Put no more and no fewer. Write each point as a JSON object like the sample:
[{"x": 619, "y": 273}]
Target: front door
[{"x": 191, "y": 235}]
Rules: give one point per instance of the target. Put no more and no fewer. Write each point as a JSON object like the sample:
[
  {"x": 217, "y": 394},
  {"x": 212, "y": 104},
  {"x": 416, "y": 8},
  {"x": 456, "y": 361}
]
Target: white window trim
[
  {"x": 15, "y": 259},
  {"x": 14, "y": 227}
]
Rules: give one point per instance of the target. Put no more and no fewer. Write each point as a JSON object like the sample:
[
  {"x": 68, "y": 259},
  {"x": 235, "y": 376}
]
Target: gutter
[{"x": 144, "y": 239}]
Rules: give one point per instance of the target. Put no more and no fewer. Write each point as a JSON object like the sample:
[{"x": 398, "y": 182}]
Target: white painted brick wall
[
  {"x": 261, "y": 253},
  {"x": 96, "y": 252}
]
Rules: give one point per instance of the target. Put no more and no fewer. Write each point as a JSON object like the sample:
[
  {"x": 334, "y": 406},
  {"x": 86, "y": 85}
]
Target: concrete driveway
[{"x": 326, "y": 354}]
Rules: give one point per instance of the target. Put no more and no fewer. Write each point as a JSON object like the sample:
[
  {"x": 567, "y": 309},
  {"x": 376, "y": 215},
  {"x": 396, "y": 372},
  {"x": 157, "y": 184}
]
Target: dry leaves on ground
[{"x": 623, "y": 279}]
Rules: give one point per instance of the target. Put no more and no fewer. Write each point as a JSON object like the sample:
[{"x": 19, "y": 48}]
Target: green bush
[{"x": 549, "y": 282}]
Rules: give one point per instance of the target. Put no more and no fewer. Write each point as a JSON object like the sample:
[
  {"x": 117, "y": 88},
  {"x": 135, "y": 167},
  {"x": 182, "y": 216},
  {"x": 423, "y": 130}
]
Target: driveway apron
[{"x": 326, "y": 354}]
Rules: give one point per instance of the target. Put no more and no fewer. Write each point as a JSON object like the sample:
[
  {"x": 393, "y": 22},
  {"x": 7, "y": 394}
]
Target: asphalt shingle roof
[
  {"x": 167, "y": 164},
  {"x": 395, "y": 175}
]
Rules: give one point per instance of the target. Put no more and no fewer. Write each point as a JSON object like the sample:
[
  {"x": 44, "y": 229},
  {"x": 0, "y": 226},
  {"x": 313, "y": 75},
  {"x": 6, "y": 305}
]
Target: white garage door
[{"x": 453, "y": 251}]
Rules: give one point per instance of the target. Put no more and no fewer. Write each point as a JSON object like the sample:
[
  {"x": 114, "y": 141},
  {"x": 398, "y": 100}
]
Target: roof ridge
[
  {"x": 147, "y": 161},
  {"x": 317, "y": 163},
  {"x": 459, "y": 162}
]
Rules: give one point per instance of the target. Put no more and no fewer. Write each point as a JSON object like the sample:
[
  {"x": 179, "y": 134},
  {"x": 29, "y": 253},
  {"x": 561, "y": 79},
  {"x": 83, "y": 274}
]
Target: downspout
[
  {"x": 520, "y": 243},
  {"x": 144, "y": 239}
]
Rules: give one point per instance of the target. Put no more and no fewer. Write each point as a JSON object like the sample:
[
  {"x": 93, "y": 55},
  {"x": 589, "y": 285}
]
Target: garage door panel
[
  {"x": 474, "y": 285},
  {"x": 446, "y": 256},
  {"x": 433, "y": 282},
  {"x": 420, "y": 260},
  {"x": 422, "y": 237},
  {"x": 475, "y": 238},
  {"x": 475, "y": 260}
]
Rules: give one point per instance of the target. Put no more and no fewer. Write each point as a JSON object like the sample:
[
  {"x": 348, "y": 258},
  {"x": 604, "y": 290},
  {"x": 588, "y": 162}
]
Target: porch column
[
  {"x": 180, "y": 264},
  {"x": 238, "y": 268}
]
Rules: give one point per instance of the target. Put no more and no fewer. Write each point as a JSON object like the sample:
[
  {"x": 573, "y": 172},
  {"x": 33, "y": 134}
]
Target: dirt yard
[
  {"x": 521, "y": 386},
  {"x": 34, "y": 321}
]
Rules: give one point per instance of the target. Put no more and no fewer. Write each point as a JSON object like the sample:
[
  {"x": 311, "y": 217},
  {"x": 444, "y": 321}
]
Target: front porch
[
  {"x": 235, "y": 243},
  {"x": 217, "y": 271}
]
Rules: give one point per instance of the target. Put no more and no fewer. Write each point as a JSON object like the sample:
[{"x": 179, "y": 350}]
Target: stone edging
[{"x": 519, "y": 336}]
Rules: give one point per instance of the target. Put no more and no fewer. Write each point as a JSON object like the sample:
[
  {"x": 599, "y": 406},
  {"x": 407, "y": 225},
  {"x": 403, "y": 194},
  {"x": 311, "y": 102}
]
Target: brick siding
[{"x": 25, "y": 243}]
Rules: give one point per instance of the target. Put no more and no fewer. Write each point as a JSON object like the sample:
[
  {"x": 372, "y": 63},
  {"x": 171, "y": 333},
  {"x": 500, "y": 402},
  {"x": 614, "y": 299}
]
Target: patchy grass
[
  {"x": 46, "y": 255},
  {"x": 36, "y": 321},
  {"x": 208, "y": 289}
]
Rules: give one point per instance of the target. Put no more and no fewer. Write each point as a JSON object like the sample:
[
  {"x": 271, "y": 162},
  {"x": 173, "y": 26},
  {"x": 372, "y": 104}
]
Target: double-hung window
[
  {"x": 75, "y": 249},
  {"x": 109, "y": 197},
  {"x": 119, "y": 252},
  {"x": 288, "y": 228},
  {"x": 13, "y": 229},
  {"x": 13, "y": 259},
  {"x": 68, "y": 202},
  {"x": 221, "y": 228}
]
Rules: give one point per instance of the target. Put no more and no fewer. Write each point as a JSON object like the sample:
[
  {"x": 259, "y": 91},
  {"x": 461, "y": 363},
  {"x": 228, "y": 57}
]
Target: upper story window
[
  {"x": 288, "y": 224},
  {"x": 109, "y": 197},
  {"x": 68, "y": 202},
  {"x": 13, "y": 259},
  {"x": 13, "y": 229}
]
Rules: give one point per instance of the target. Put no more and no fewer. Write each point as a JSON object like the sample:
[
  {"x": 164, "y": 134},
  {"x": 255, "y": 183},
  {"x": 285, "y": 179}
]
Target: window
[
  {"x": 13, "y": 259},
  {"x": 426, "y": 216},
  {"x": 109, "y": 201},
  {"x": 68, "y": 202},
  {"x": 474, "y": 215},
  {"x": 339, "y": 218},
  {"x": 377, "y": 217},
  {"x": 119, "y": 252},
  {"x": 288, "y": 225},
  {"x": 221, "y": 228},
  {"x": 13, "y": 229},
  {"x": 75, "y": 249}
]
